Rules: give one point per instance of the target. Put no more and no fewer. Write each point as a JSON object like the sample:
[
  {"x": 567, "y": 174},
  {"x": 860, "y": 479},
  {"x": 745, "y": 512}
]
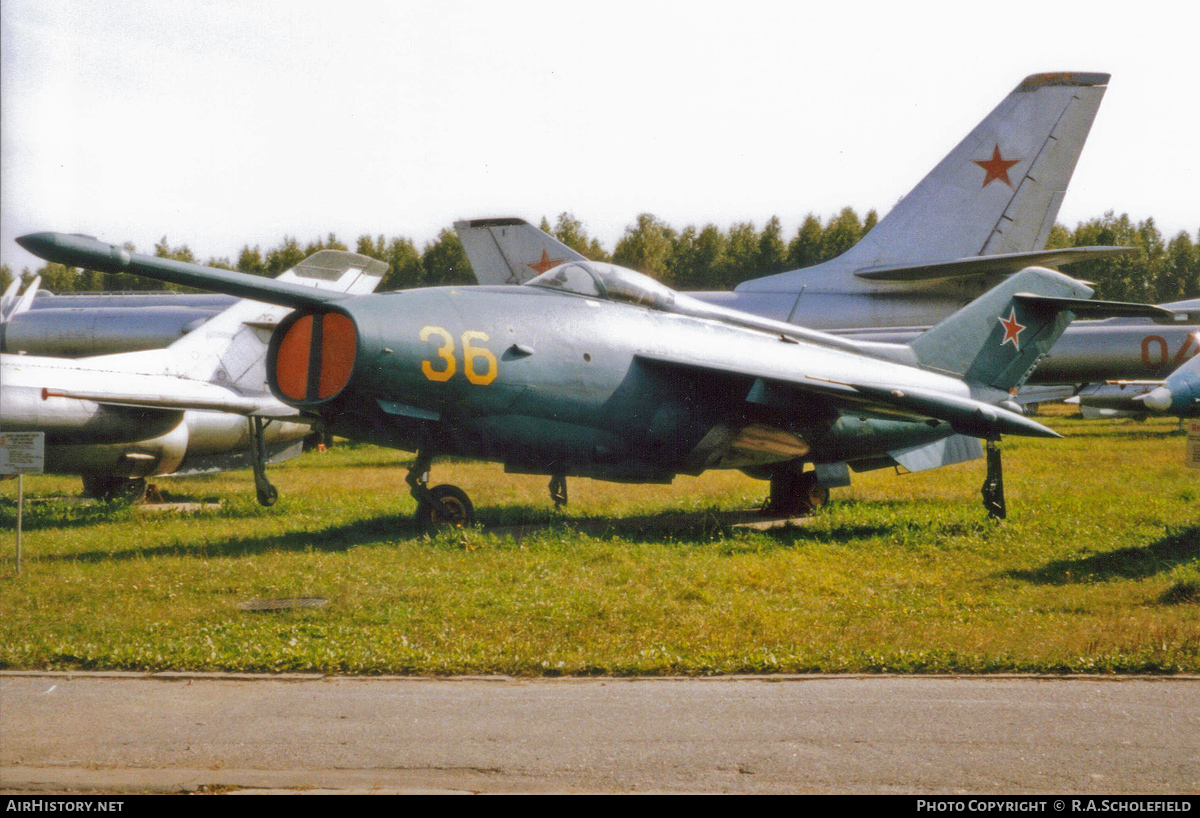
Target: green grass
[{"x": 1096, "y": 570}]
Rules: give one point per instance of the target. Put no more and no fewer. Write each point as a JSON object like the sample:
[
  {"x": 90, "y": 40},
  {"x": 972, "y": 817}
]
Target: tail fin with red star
[
  {"x": 987, "y": 208},
  {"x": 998, "y": 339},
  {"x": 510, "y": 251}
]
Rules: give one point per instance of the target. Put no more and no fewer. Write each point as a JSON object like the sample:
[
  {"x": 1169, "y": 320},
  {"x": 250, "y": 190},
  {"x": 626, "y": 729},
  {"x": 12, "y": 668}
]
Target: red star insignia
[
  {"x": 546, "y": 263},
  {"x": 996, "y": 167},
  {"x": 1012, "y": 329}
]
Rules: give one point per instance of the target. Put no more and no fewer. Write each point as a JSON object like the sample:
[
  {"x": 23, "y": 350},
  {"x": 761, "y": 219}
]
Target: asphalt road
[{"x": 131, "y": 732}]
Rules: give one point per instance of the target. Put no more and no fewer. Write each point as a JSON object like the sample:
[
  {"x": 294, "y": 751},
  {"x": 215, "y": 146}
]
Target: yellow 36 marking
[
  {"x": 471, "y": 356},
  {"x": 446, "y": 352}
]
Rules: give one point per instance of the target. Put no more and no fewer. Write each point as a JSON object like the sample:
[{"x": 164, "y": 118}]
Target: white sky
[{"x": 222, "y": 123}]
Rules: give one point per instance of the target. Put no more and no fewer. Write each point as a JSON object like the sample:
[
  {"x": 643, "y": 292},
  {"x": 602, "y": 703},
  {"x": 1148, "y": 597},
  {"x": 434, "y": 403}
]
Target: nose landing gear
[{"x": 439, "y": 507}]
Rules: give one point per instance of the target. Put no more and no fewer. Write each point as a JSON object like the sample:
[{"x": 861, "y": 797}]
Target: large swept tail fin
[
  {"x": 998, "y": 339},
  {"x": 510, "y": 251},
  {"x": 997, "y": 192}
]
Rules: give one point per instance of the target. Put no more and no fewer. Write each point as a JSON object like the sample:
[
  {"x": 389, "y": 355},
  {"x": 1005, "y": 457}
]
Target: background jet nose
[{"x": 1158, "y": 399}]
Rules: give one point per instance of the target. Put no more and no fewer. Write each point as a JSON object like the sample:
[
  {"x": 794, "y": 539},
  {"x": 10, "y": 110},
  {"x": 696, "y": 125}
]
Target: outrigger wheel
[
  {"x": 448, "y": 507},
  {"x": 795, "y": 493}
]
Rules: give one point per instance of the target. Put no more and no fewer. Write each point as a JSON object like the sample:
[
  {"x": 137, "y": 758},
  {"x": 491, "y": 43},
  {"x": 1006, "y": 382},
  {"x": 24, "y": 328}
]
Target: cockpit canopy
[{"x": 598, "y": 280}]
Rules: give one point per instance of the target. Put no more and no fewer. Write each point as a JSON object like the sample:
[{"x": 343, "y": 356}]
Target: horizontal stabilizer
[
  {"x": 1087, "y": 308},
  {"x": 1004, "y": 264}
]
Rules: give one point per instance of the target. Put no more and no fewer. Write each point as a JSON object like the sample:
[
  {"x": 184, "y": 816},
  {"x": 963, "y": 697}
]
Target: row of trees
[{"x": 704, "y": 258}]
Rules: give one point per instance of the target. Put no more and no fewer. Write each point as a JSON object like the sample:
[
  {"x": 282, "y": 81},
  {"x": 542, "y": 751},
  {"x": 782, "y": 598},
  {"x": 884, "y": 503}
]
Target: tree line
[{"x": 694, "y": 258}]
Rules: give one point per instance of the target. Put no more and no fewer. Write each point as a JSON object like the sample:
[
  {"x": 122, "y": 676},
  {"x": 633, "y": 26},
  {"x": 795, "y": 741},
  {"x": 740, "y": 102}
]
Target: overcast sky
[{"x": 221, "y": 124}]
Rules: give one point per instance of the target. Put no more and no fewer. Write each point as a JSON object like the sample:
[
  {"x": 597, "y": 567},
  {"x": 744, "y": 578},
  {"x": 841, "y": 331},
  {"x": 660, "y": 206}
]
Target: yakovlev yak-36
[{"x": 598, "y": 371}]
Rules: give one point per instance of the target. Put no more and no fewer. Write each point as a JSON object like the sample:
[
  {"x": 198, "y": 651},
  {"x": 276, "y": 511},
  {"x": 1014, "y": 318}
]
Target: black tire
[
  {"x": 451, "y": 509},
  {"x": 814, "y": 494},
  {"x": 795, "y": 494},
  {"x": 266, "y": 496},
  {"x": 111, "y": 487}
]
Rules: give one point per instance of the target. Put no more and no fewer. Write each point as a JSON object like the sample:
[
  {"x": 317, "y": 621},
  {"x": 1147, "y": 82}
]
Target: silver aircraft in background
[
  {"x": 213, "y": 408},
  {"x": 79, "y": 325},
  {"x": 1177, "y": 395}
]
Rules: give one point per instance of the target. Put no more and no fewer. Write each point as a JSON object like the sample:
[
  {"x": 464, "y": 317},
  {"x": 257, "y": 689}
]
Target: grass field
[{"x": 1097, "y": 570}]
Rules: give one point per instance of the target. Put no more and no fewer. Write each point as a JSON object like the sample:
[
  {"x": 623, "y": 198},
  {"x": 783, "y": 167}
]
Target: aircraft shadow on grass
[
  {"x": 1177, "y": 547},
  {"x": 335, "y": 538},
  {"x": 1129, "y": 434},
  {"x": 55, "y": 516},
  {"x": 682, "y": 528}
]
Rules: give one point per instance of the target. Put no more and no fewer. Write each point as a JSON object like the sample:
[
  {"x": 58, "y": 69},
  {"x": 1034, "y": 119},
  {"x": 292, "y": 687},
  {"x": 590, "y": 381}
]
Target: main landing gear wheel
[
  {"x": 449, "y": 507},
  {"x": 110, "y": 487},
  {"x": 795, "y": 494},
  {"x": 993, "y": 486},
  {"x": 266, "y": 494}
]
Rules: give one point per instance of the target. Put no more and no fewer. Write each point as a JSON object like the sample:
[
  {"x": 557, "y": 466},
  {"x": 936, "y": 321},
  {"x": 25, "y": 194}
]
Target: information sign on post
[
  {"x": 22, "y": 453},
  {"x": 1193, "y": 444}
]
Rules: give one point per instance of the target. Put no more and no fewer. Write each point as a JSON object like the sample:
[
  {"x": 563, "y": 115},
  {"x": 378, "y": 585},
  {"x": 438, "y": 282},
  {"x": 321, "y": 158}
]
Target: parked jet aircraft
[
  {"x": 593, "y": 370},
  {"x": 202, "y": 385},
  {"x": 1178, "y": 395},
  {"x": 77, "y": 326},
  {"x": 499, "y": 249}
]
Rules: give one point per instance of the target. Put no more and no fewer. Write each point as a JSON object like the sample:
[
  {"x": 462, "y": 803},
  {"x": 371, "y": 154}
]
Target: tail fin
[
  {"x": 998, "y": 192},
  {"x": 510, "y": 251},
  {"x": 10, "y": 296},
  {"x": 998, "y": 338},
  {"x": 13, "y": 306},
  {"x": 230, "y": 348}
]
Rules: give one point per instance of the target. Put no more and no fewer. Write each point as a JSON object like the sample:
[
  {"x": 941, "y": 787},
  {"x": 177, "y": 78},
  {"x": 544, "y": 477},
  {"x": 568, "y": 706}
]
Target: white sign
[
  {"x": 1193, "y": 445},
  {"x": 22, "y": 452}
]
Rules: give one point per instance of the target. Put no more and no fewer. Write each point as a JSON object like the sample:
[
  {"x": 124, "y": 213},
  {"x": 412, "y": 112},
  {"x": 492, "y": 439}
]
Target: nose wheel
[
  {"x": 449, "y": 507},
  {"x": 439, "y": 507}
]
